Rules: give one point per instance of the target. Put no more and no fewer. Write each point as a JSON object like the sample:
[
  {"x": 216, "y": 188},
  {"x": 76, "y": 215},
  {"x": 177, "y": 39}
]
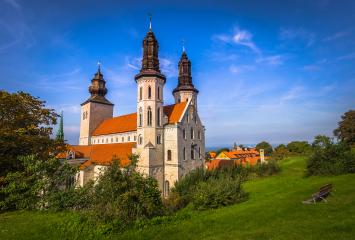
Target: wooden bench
[{"x": 322, "y": 194}]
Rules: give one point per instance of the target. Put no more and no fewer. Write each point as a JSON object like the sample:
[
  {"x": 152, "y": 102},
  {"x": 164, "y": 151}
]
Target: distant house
[{"x": 236, "y": 156}]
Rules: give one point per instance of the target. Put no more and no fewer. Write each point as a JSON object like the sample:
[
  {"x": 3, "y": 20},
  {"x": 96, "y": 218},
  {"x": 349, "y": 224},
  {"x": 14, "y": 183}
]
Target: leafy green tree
[
  {"x": 330, "y": 158},
  {"x": 25, "y": 129},
  {"x": 34, "y": 185},
  {"x": 346, "y": 128},
  {"x": 266, "y": 146},
  {"x": 222, "y": 150},
  {"x": 124, "y": 195},
  {"x": 280, "y": 152},
  {"x": 299, "y": 147}
]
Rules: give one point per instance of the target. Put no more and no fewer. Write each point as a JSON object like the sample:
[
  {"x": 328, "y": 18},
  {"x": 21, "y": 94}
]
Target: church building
[{"x": 169, "y": 139}]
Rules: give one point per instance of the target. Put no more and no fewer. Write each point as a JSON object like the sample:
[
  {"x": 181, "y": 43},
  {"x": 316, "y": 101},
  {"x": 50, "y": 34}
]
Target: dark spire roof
[
  {"x": 185, "y": 78},
  {"x": 150, "y": 60},
  {"x": 98, "y": 89}
]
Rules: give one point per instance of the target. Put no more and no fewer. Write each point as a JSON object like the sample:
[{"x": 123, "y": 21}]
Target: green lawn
[{"x": 273, "y": 211}]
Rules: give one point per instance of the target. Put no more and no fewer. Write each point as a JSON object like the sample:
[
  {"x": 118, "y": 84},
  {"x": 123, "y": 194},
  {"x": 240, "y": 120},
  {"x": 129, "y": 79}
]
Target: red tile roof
[
  {"x": 102, "y": 154},
  {"x": 128, "y": 123}
]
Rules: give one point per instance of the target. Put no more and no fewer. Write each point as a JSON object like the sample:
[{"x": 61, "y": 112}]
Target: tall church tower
[
  {"x": 94, "y": 110},
  {"x": 150, "y": 84},
  {"x": 185, "y": 89}
]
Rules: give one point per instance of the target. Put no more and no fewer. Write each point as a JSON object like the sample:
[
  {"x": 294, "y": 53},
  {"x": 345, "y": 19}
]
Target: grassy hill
[{"x": 273, "y": 211}]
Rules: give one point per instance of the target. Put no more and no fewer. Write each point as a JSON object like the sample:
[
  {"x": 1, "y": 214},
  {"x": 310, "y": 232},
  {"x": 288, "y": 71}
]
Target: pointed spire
[
  {"x": 150, "y": 59},
  {"x": 150, "y": 21},
  {"x": 98, "y": 89},
  {"x": 185, "y": 78},
  {"x": 183, "y": 45},
  {"x": 60, "y": 132}
]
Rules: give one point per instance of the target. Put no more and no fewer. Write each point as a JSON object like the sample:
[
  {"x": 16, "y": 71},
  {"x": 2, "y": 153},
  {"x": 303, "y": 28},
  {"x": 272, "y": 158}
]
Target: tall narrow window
[
  {"x": 140, "y": 93},
  {"x": 158, "y": 93},
  {"x": 199, "y": 134},
  {"x": 166, "y": 188},
  {"x": 158, "y": 139},
  {"x": 192, "y": 133},
  {"x": 192, "y": 152},
  {"x": 149, "y": 120},
  {"x": 158, "y": 116},
  {"x": 129, "y": 138},
  {"x": 184, "y": 133},
  {"x": 149, "y": 92},
  {"x": 199, "y": 152},
  {"x": 184, "y": 154},
  {"x": 140, "y": 140},
  {"x": 169, "y": 155},
  {"x": 140, "y": 117}
]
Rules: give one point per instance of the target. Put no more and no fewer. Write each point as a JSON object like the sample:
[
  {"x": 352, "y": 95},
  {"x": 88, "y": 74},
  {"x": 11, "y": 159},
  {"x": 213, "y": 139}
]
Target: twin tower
[{"x": 150, "y": 99}]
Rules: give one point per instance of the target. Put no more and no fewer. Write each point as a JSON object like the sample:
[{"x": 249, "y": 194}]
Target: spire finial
[
  {"x": 150, "y": 21},
  {"x": 99, "y": 66},
  {"x": 183, "y": 45}
]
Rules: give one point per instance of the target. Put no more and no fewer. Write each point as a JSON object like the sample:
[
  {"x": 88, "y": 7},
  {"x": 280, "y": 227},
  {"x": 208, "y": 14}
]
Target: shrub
[
  {"x": 266, "y": 169},
  {"x": 330, "y": 158},
  {"x": 217, "y": 192}
]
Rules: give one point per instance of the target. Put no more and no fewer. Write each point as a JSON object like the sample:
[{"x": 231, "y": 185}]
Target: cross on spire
[
  {"x": 99, "y": 66},
  {"x": 150, "y": 21}
]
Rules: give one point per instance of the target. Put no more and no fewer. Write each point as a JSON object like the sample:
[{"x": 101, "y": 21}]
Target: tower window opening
[
  {"x": 184, "y": 133},
  {"x": 149, "y": 122},
  {"x": 140, "y": 117},
  {"x": 158, "y": 117},
  {"x": 184, "y": 154},
  {"x": 192, "y": 152},
  {"x": 169, "y": 155},
  {"x": 140, "y": 93},
  {"x": 149, "y": 92},
  {"x": 158, "y": 93},
  {"x": 140, "y": 140},
  {"x": 158, "y": 139},
  {"x": 192, "y": 133}
]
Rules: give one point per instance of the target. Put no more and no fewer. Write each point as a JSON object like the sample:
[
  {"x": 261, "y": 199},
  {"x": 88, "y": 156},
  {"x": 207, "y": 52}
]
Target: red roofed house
[{"x": 169, "y": 139}]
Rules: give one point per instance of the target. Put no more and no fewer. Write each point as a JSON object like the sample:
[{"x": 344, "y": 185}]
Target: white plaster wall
[{"x": 114, "y": 138}]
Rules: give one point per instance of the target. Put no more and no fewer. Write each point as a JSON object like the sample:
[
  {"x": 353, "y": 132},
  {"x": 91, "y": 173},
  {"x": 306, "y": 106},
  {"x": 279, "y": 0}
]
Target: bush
[
  {"x": 266, "y": 169},
  {"x": 330, "y": 158},
  {"x": 218, "y": 192}
]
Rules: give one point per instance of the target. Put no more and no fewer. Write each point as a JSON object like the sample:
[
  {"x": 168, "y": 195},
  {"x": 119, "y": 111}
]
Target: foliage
[
  {"x": 346, "y": 128},
  {"x": 217, "y": 192},
  {"x": 266, "y": 146},
  {"x": 222, "y": 150},
  {"x": 280, "y": 152},
  {"x": 36, "y": 185},
  {"x": 198, "y": 180},
  {"x": 25, "y": 129},
  {"x": 123, "y": 196},
  {"x": 299, "y": 148},
  {"x": 330, "y": 158}
]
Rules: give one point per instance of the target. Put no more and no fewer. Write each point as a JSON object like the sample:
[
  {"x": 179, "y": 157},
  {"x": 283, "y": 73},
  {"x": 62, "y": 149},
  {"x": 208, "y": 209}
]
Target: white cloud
[
  {"x": 13, "y": 3},
  {"x": 273, "y": 60},
  {"x": 346, "y": 57},
  {"x": 240, "y": 69},
  {"x": 239, "y": 37},
  {"x": 299, "y": 33},
  {"x": 336, "y": 36}
]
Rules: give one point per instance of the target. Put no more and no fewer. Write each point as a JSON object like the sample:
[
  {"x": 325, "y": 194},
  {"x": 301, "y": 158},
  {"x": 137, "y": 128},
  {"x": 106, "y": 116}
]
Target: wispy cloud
[
  {"x": 336, "y": 36},
  {"x": 273, "y": 60},
  {"x": 346, "y": 57},
  {"x": 240, "y": 37},
  {"x": 240, "y": 68},
  {"x": 13, "y": 3},
  {"x": 299, "y": 33},
  {"x": 167, "y": 65}
]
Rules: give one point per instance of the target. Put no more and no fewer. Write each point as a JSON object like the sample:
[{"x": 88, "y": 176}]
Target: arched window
[
  {"x": 140, "y": 117},
  {"x": 158, "y": 139},
  {"x": 149, "y": 120},
  {"x": 140, "y": 140},
  {"x": 166, "y": 188},
  {"x": 184, "y": 154},
  {"x": 149, "y": 92},
  {"x": 192, "y": 152},
  {"x": 158, "y": 116},
  {"x": 158, "y": 93},
  {"x": 169, "y": 155},
  {"x": 140, "y": 93}
]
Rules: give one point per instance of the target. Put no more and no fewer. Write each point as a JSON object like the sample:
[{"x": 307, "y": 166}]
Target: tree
[
  {"x": 299, "y": 147},
  {"x": 280, "y": 152},
  {"x": 346, "y": 128},
  {"x": 222, "y": 150},
  {"x": 25, "y": 129},
  {"x": 266, "y": 146}
]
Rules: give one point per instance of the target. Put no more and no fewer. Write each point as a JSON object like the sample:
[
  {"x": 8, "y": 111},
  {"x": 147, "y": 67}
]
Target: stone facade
[{"x": 170, "y": 140}]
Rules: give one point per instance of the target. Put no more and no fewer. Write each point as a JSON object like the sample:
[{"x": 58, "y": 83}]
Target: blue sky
[{"x": 266, "y": 70}]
